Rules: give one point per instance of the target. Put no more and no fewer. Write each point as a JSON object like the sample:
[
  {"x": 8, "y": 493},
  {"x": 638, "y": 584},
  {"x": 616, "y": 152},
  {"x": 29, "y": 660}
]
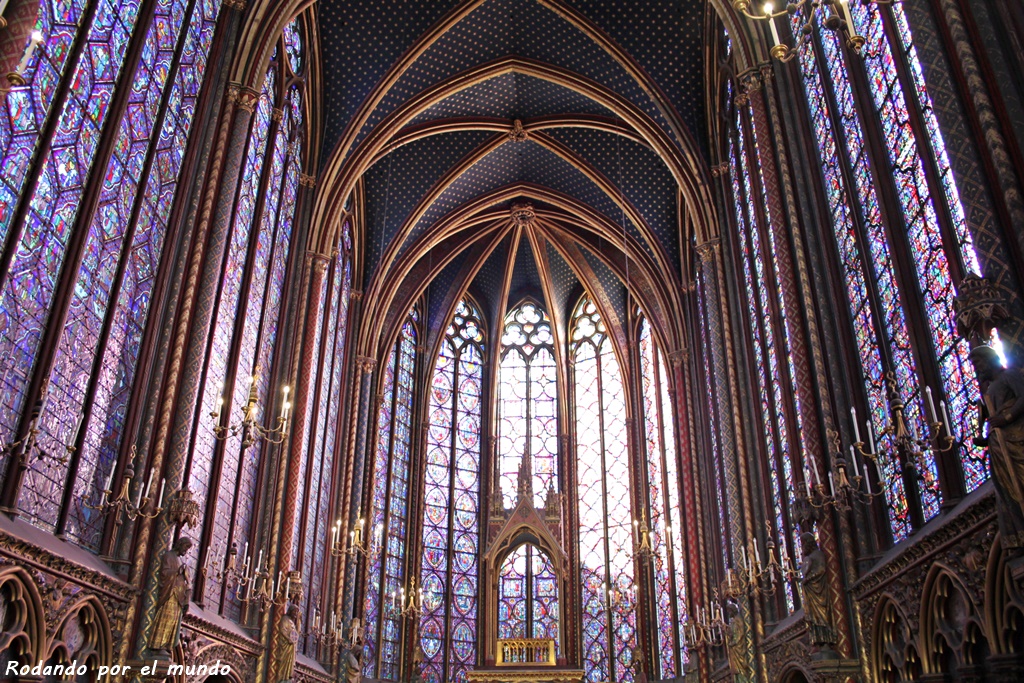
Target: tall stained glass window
[
  {"x": 390, "y": 508},
  {"x": 323, "y": 441},
  {"x": 124, "y": 87},
  {"x": 451, "y": 508},
  {"x": 528, "y": 402},
  {"x": 768, "y": 340},
  {"x": 664, "y": 510},
  {"x": 886, "y": 302},
  {"x": 609, "y": 600}
]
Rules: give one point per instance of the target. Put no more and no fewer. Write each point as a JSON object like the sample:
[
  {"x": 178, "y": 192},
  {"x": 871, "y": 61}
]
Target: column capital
[
  {"x": 366, "y": 364},
  {"x": 243, "y": 97}
]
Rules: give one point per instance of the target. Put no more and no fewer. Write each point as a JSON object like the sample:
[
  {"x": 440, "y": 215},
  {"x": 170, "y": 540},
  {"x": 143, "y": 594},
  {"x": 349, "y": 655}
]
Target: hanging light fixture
[{"x": 834, "y": 15}]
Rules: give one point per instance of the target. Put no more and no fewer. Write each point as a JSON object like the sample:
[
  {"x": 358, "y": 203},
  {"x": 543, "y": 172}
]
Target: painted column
[
  {"x": 736, "y": 470},
  {"x": 297, "y": 444},
  {"x": 364, "y": 414}
]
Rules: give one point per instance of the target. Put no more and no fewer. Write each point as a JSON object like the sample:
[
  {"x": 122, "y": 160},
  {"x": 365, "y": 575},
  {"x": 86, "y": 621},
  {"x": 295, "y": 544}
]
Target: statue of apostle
[
  {"x": 172, "y": 597},
  {"x": 288, "y": 639},
  {"x": 813, "y": 580},
  {"x": 1003, "y": 393}
]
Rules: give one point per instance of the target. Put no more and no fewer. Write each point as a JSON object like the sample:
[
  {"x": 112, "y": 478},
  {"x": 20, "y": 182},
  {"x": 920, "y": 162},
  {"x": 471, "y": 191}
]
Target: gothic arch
[
  {"x": 225, "y": 654},
  {"x": 950, "y": 622},
  {"x": 83, "y": 635},
  {"x": 894, "y": 654},
  {"x": 1004, "y": 605},
  {"x": 22, "y": 618}
]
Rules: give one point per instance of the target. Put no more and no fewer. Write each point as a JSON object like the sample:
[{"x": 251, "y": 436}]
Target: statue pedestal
[
  {"x": 155, "y": 668},
  {"x": 836, "y": 669}
]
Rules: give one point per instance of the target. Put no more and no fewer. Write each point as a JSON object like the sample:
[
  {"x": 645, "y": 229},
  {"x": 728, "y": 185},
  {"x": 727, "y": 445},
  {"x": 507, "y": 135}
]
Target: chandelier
[{"x": 834, "y": 15}]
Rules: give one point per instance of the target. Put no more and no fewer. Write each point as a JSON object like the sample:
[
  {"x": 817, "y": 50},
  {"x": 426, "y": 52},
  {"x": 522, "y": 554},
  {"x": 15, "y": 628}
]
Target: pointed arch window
[
  {"x": 451, "y": 514},
  {"x": 901, "y": 262},
  {"x": 664, "y": 510},
  {"x": 528, "y": 402},
  {"x": 390, "y": 507},
  {"x": 609, "y": 603},
  {"x": 528, "y": 595},
  {"x": 108, "y": 172}
]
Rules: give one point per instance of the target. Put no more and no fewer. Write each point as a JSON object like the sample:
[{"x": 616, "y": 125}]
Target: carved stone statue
[
  {"x": 172, "y": 597},
  {"x": 1003, "y": 392},
  {"x": 419, "y": 657},
  {"x": 639, "y": 674},
  {"x": 817, "y": 608},
  {"x": 284, "y": 652},
  {"x": 736, "y": 643},
  {"x": 354, "y": 663}
]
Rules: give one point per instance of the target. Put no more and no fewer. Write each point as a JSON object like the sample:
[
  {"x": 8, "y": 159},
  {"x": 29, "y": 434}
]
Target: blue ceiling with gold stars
[{"x": 579, "y": 75}]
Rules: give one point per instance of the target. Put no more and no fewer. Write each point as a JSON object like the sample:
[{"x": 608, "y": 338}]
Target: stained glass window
[
  {"x": 451, "y": 508},
  {"x": 609, "y": 601},
  {"x": 527, "y": 595},
  {"x": 527, "y": 402},
  {"x": 664, "y": 509},
  {"x": 328, "y": 394},
  {"x": 879, "y": 304},
  {"x": 389, "y": 509},
  {"x": 97, "y": 351},
  {"x": 925, "y": 233}
]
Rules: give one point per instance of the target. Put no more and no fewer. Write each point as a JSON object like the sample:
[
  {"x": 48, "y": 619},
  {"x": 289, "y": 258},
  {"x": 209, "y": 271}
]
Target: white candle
[
  {"x": 853, "y": 458},
  {"x": 831, "y": 486},
  {"x": 856, "y": 428},
  {"x": 3, "y": 6},
  {"x": 871, "y": 437},
  {"x": 37, "y": 39},
  {"x": 287, "y": 589},
  {"x": 259, "y": 562},
  {"x": 771, "y": 23},
  {"x": 847, "y": 15},
  {"x": 163, "y": 483},
  {"x": 931, "y": 404},
  {"x": 110, "y": 479},
  {"x": 149, "y": 483},
  {"x": 807, "y": 483},
  {"x": 945, "y": 417}
]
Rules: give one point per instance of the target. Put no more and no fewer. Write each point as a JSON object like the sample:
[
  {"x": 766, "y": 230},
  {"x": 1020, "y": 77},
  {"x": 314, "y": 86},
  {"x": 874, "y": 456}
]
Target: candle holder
[
  {"x": 403, "y": 605},
  {"x": 122, "y": 505},
  {"x": 703, "y": 629},
  {"x": 324, "y": 634},
  {"x": 941, "y": 439},
  {"x": 643, "y": 535},
  {"x": 356, "y": 544},
  {"x": 17, "y": 77},
  {"x": 255, "y": 588},
  {"x": 835, "y": 15},
  {"x": 28, "y": 446},
  {"x": 249, "y": 429}
]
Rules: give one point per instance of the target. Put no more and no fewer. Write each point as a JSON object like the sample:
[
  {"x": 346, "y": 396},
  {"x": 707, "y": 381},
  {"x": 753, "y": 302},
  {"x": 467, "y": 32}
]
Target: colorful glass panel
[
  {"x": 528, "y": 403},
  {"x": 763, "y": 337},
  {"x": 663, "y": 499},
  {"x": 390, "y": 510},
  {"x": 603, "y": 485},
  {"x": 28, "y": 290},
  {"x": 923, "y": 228},
  {"x": 451, "y": 534}
]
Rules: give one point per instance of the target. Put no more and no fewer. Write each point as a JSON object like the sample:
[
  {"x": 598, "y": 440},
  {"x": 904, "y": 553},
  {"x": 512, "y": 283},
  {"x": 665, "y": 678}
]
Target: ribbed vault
[{"x": 593, "y": 116}]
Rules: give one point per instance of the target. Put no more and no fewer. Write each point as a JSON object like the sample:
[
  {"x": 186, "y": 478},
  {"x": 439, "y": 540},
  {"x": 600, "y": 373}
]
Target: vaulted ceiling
[{"x": 443, "y": 115}]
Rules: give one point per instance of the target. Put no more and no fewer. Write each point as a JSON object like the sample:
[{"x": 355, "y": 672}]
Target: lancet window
[
  {"x": 663, "y": 512},
  {"x": 528, "y": 402},
  {"x": 85, "y": 216},
  {"x": 902, "y": 258},
  {"x": 322, "y": 439},
  {"x": 388, "y": 521},
  {"x": 606, "y": 549},
  {"x": 451, "y": 509}
]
